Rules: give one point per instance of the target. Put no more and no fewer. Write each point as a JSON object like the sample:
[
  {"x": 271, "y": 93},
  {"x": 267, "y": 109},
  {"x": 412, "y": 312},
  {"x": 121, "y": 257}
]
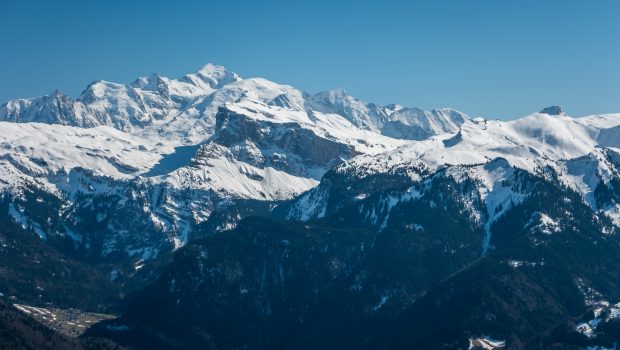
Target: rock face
[
  {"x": 292, "y": 148},
  {"x": 553, "y": 110}
]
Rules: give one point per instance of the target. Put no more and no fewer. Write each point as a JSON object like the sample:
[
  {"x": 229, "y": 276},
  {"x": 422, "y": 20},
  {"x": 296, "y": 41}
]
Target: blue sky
[{"x": 492, "y": 58}]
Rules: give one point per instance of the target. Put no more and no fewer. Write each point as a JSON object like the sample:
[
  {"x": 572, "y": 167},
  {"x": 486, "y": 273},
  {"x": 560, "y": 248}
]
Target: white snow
[
  {"x": 614, "y": 312},
  {"x": 125, "y": 131},
  {"x": 486, "y": 343},
  {"x": 586, "y": 329},
  {"x": 43, "y": 149},
  {"x": 548, "y": 225}
]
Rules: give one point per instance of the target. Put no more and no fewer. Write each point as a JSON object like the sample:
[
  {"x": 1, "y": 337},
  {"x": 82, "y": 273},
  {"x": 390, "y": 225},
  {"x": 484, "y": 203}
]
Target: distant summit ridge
[{"x": 183, "y": 110}]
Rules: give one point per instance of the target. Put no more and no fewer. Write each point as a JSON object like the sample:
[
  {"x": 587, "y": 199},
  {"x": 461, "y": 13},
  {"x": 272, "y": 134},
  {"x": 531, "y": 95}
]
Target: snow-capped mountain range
[{"x": 174, "y": 152}]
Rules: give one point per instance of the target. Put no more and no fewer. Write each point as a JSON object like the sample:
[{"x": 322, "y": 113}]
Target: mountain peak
[
  {"x": 57, "y": 94},
  {"x": 151, "y": 82},
  {"x": 214, "y": 75},
  {"x": 339, "y": 92},
  {"x": 211, "y": 68},
  {"x": 335, "y": 96},
  {"x": 215, "y": 71},
  {"x": 553, "y": 110}
]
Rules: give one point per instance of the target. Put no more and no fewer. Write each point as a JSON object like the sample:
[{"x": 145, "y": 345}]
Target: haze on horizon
[{"x": 485, "y": 58}]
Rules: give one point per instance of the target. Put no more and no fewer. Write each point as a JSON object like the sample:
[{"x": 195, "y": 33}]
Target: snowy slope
[
  {"x": 577, "y": 152},
  {"x": 393, "y": 120},
  {"x": 526, "y": 143},
  {"x": 55, "y": 108},
  {"x": 43, "y": 149}
]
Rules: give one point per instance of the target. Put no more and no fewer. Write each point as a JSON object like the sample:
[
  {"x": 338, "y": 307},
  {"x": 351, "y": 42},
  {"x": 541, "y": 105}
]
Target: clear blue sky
[{"x": 493, "y": 58}]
